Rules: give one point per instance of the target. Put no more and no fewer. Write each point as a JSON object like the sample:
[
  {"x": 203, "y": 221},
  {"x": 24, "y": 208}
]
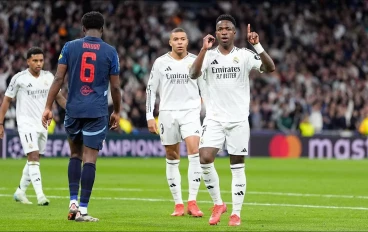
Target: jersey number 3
[{"x": 86, "y": 66}]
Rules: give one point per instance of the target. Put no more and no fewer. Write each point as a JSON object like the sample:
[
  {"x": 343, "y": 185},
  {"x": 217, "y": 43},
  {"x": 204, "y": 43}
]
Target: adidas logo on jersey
[
  {"x": 29, "y": 85},
  {"x": 244, "y": 150},
  {"x": 214, "y": 62},
  {"x": 168, "y": 69}
]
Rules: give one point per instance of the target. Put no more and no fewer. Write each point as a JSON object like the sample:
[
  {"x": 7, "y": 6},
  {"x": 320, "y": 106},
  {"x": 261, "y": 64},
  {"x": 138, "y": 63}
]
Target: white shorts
[
  {"x": 174, "y": 126},
  {"x": 33, "y": 141},
  {"x": 232, "y": 136}
]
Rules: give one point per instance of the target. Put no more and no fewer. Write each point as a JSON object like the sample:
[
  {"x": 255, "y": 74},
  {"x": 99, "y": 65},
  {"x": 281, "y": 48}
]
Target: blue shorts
[{"x": 92, "y": 131}]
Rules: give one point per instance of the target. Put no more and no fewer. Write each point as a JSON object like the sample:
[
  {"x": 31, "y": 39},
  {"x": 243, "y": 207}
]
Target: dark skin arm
[
  {"x": 267, "y": 62},
  {"x": 54, "y": 90},
  {"x": 116, "y": 99}
]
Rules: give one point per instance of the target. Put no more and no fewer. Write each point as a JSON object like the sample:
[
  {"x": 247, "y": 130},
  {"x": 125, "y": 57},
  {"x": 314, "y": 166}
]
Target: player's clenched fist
[
  {"x": 152, "y": 126},
  {"x": 253, "y": 37},
  {"x": 208, "y": 42}
]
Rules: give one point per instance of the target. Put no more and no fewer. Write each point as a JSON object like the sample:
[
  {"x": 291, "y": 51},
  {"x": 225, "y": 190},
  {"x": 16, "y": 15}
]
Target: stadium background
[{"x": 319, "y": 88}]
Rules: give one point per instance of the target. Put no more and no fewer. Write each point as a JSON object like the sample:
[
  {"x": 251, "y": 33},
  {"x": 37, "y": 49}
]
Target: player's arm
[
  {"x": 195, "y": 70},
  {"x": 10, "y": 93},
  {"x": 60, "y": 99},
  {"x": 151, "y": 90},
  {"x": 267, "y": 63},
  {"x": 3, "y": 109},
  {"x": 56, "y": 85},
  {"x": 115, "y": 91}
]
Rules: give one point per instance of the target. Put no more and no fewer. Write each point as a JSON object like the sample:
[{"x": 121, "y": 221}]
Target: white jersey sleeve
[
  {"x": 13, "y": 87},
  {"x": 151, "y": 91},
  {"x": 254, "y": 61}
]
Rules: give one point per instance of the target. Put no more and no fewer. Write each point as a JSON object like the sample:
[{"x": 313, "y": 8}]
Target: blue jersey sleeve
[
  {"x": 115, "y": 66},
  {"x": 63, "y": 58}
]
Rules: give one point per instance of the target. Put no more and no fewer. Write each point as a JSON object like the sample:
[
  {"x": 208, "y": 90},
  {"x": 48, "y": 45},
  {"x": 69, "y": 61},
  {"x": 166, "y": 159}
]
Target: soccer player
[
  {"x": 30, "y": 87},
  {"x": 91, "y": 64},
  {"x": 225, "y": 70},
  {"x": 179, "y": 117}
]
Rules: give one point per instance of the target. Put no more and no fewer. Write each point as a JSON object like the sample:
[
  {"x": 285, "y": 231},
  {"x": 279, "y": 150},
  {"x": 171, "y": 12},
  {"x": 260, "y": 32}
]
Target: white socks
[
  {"x": 211, "y": 180},
  {"x": 25, "y": 180},
  {"x": 174, "y": 180},
  {"x": 35, "y": 175},
  {"x": 83, "y": 210},
  {"x": 194, "y": 176},
  {"x": 238, "y": 187}
]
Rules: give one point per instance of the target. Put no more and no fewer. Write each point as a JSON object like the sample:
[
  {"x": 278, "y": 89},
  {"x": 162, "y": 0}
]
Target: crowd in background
[{"x": 319, "y": 48}]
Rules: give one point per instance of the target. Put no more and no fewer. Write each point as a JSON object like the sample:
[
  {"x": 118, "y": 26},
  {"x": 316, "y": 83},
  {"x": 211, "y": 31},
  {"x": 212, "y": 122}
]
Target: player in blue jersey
[{"x": 91, "y": 64}]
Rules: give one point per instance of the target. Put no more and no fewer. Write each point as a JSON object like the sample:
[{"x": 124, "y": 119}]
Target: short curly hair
[
  {"x": 226, "y": 17},
  {"x": 93, "y": 20}
]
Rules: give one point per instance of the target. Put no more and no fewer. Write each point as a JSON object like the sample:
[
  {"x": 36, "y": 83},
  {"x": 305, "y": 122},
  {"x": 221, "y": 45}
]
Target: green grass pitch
[{"x": 131, "y": 194}]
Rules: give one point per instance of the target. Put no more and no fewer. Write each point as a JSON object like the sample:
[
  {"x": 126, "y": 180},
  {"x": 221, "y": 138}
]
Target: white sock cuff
[
  {"x": 33, "y": 163},
  {"x": 237, "y": 166},
  {"x": 172, "y": 162},
  {"x": 210, "y": 165},
  {"x": 193, "y": 158}
]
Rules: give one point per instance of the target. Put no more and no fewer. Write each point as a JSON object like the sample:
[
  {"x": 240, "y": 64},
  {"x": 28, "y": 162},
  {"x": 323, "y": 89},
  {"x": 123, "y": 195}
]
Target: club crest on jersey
[
  {"x": 30, "y": 146},
  {"x": 86, "y": 90},
  {"x": 46, "y": 83},
  {"x": 189, "y": 66},
  {"x": 236, "y": 60}
]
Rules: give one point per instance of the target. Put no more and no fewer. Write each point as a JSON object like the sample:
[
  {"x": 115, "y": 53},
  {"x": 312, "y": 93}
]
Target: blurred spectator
[
  {"x": 315, "y": 117},
  {"x": 305, "y": 127}
]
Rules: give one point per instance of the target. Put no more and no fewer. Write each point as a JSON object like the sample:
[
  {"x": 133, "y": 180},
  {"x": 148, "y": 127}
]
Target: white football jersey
[
  {"x": 226, "y": 81},
  {"x": 170, "y": 78},
  {"x": 31, "y": 94}
]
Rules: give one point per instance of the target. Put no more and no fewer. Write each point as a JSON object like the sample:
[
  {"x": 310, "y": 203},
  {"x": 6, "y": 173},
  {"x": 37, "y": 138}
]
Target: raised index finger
[{"x": 248, "y": 28}]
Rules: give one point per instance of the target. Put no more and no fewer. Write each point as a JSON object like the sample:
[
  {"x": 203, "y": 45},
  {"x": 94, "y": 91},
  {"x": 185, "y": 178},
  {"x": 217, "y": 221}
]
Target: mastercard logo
[{"x": 288, "y": 146}]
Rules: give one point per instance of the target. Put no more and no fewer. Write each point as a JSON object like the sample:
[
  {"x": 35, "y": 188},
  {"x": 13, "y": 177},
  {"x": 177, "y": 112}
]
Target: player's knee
[
  {"x": 236, "y": 159},
  {"x": 33, "y": 156},
  {"x": 192, "y": 150},
  {"x": 205, "y": 156},
  {"x": 172, "y": 155}
]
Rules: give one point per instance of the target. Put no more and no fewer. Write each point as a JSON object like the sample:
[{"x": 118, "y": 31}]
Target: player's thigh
[
  {"x": 190, "y": 130},
  {"x": 73, "y": 128},
  {"x": 42, "y": 141},
  {"x": 29, "y": 141},
  {"x": 213, "y": 134},
  {"x": 94, "y": 132},
  {"x": 237, "y": 138},
  {"x": 169, "y": 128}
]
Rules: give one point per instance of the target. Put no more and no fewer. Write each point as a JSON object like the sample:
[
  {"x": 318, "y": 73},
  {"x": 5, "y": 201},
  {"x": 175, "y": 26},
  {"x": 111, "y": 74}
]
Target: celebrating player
[
  {"x": 225, "y": 70},
  {"x": 30, "y": 87},
  {"x": 91, "y": 64},
  {"x": 179, "y": 117}
]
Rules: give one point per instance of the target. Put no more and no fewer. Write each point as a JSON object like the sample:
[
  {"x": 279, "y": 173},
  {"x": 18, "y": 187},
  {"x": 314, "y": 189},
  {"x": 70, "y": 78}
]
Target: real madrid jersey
[
  {"x": 31, "y": 94},
  {"x": 226, "y": 80},
  {"x": 170, "y": 78}
]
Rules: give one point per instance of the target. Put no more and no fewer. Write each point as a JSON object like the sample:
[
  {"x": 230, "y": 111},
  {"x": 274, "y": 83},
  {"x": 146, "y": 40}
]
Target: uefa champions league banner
[
  {"x": 278, "y": 145},
  {"x": 115, "y": 145},
  {"x": 261, "y": 144}
]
